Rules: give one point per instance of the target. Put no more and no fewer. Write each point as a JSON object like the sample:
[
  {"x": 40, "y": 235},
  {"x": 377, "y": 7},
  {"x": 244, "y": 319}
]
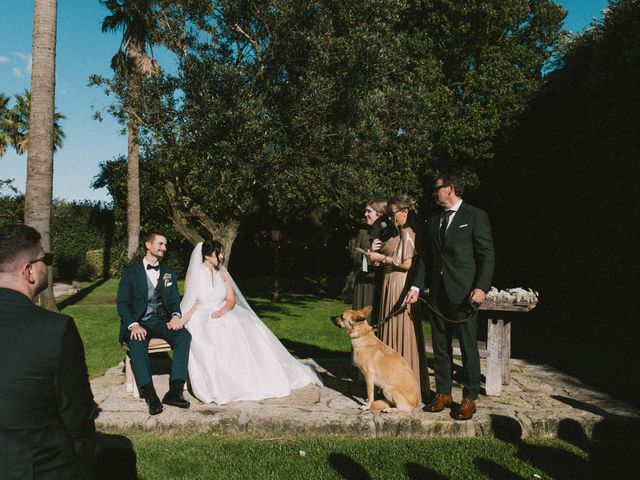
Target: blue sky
[{"x": 82, "y": 50}]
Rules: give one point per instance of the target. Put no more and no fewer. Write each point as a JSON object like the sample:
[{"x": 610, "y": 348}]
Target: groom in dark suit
[
  {"x": 149, "y": 307},
  {"x": 456, "y": 265},
  {"x": 47, "y": 410}
]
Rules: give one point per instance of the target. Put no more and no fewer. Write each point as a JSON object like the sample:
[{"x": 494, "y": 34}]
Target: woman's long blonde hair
[{"x": 378, "y": 205}]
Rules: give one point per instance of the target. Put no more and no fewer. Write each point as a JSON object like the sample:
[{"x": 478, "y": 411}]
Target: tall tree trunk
[
  {"x": 39, "y": 189},
  {"x": 183, "y": 209},
  {"x": 179, "y": 217},
  {"x": 133, "y": 189},
  {"x": 226, "y": 234}
]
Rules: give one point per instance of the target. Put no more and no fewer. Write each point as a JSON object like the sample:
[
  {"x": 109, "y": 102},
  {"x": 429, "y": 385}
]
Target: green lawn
[
  {"x": 210, "y": 456},
  {"x": 302, "y": 322}
]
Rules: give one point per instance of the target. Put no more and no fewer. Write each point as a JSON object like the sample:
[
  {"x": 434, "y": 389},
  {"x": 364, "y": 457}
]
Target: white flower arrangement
[{"x": 515, "y": 296}]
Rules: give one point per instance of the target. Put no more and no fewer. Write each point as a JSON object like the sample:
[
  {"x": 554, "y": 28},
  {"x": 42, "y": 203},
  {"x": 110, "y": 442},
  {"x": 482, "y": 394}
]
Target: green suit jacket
[
  {"x": 465, "y": 261},
  {"x": 133, "y": 291},
  {"x": 46, "y": 405}
]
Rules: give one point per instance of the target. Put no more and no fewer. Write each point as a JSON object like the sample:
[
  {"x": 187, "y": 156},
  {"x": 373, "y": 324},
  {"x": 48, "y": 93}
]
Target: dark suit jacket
[
  {"x": 466, "y": 259},
  {"x": 46, "y": 405},
  {"x": 133, "y": 291}
]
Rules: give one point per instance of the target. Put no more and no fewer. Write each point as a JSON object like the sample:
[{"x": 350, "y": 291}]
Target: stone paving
[{"x": 540, "y": 401}]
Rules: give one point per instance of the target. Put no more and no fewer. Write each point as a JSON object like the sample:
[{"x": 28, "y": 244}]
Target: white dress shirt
[
  {"x": 154, "y": 275},
  {"x": 454, "y": 209}
]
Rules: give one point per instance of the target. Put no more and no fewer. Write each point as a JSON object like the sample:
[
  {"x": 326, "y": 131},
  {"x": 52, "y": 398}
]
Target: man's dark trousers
[
  {"x": 442, "y": 333},
  {"x": 179, "y": 340}
]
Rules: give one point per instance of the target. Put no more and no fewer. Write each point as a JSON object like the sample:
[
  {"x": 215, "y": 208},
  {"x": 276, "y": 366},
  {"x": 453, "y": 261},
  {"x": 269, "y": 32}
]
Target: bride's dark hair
[{"x": 210, "y": 247}]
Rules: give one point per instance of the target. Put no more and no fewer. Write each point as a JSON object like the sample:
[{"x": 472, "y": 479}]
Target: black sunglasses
[
  {"x": 47, "y": 259},
  {"x": 438, "y": 187}
]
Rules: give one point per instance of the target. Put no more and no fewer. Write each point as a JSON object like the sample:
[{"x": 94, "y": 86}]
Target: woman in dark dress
[{"x": 366, "y": 289}]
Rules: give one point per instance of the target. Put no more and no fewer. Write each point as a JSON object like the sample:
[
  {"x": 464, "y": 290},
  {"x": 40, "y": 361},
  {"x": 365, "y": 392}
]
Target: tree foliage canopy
[{"x": 303, "y": 110}]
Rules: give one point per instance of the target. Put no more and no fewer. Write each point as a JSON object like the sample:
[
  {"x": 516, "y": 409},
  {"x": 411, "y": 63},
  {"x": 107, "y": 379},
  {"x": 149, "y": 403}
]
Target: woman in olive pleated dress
[{"x": 368, "y": 280}]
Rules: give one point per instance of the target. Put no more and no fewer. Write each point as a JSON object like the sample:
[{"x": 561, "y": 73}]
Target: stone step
[{"x": 540, "y": 401}]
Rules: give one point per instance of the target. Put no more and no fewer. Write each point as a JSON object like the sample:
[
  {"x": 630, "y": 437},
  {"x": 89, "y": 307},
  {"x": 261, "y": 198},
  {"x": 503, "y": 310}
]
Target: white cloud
[
  {"x": 3, "y": 59},
  {"x": 26, "y": 58},
  {"x": 16, "y": 72}
]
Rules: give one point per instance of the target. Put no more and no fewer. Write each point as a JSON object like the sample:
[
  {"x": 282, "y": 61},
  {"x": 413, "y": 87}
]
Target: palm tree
[
  {"x": 136, "y": 20},
  {"x": 18, "y": 125},
  {"x": 39, "y": 191},
  {"x": 5, "y": 124}
]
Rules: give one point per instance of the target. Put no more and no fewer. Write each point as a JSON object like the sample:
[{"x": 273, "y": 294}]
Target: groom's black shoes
[
  {"x": 149, "y": 394},
  {"x": 174, "y": 395}
]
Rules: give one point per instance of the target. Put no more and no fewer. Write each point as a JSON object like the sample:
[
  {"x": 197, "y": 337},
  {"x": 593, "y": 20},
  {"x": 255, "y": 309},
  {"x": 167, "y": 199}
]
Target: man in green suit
[
  {"x": 456, "y": 266},
  {"x": 149, "y": 307},
  {"x": 47, "y": 410}
]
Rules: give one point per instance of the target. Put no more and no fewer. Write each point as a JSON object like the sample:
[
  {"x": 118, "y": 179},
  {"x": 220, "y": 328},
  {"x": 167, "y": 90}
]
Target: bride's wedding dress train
[{"x": 236, "y": 357}]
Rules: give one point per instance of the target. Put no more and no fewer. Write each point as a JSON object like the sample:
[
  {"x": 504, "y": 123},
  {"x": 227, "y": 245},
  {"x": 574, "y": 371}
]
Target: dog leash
[
  {"x": 433, "y": 308},
  {"x": 388, "y": 317},
  {"x": 439, "y": 314}
]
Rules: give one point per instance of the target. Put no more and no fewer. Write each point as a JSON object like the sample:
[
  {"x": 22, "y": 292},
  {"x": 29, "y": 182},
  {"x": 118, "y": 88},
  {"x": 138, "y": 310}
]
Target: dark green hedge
[{"x": 76, "y": 229}]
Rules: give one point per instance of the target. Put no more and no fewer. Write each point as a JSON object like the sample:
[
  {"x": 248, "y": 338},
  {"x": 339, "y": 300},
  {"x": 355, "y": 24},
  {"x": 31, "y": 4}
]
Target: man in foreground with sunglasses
[{"x": 47, "y": 410}]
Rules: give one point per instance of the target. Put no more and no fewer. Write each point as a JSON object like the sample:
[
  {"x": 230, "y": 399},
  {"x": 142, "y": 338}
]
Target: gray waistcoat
[{"x": 155, "y": 307}]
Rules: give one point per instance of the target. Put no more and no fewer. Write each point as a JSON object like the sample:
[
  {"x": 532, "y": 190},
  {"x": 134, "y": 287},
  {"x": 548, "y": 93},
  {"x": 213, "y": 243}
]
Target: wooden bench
[
  {"x": 156, "y": 345},
  {"x": 497, "y": 349}
]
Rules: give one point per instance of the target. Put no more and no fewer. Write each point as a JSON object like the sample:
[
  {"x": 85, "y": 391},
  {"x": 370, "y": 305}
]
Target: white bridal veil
[
  {"x": 263, "y": 368},
  {"x": 197, "y": 277}
]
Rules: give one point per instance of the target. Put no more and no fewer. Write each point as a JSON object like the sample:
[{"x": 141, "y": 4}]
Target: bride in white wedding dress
[{"x": 233, "y": 355}]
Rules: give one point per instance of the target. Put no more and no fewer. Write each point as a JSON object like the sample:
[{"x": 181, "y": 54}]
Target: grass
[
  {"x": 301, "y": 321},
  {"x": 210, "y": 456},
  {"x": 99, "y": 326}
]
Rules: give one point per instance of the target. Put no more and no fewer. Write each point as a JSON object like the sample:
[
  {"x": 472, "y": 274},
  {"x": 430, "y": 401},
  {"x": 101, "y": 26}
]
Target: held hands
[
  {"x": 175, "y": 323},
  {"x": 477, "y": 296}
]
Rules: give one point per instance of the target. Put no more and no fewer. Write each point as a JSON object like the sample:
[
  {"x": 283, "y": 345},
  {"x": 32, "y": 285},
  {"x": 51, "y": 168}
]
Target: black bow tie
[{"x": 153, "y": 267}]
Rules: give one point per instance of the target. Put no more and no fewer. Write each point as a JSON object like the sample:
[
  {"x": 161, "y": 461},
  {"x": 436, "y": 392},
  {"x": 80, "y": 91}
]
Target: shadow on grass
[
  {"x": 347, "y": 467},
  {"x": 115, "y": 458},
  {"x": 612, "y": 449},
  {"x": 321, "y": 287},
  {"x": 265, "y": 308},
  {"x": 415, "y": 471},
  {"x": 305, "y": 350},
  {"x": 273, "y": 311},
  {"x": 82, "y": 294},
  {"x": 494, "y": 470}
]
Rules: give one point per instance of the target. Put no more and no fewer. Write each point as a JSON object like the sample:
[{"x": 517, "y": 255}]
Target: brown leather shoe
[
  {"x": 442, "y": 401},
  {"x": 465, "y": 411}
]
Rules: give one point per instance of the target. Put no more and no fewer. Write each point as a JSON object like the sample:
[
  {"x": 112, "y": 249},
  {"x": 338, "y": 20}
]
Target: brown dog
[{"x": 380, "y": 364}]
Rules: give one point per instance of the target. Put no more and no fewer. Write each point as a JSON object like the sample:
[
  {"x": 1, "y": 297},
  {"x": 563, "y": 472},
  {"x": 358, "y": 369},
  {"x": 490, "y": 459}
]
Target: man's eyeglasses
[
  {"x": 438, "y": 187},
  {"x": 47, "y": 259}
]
